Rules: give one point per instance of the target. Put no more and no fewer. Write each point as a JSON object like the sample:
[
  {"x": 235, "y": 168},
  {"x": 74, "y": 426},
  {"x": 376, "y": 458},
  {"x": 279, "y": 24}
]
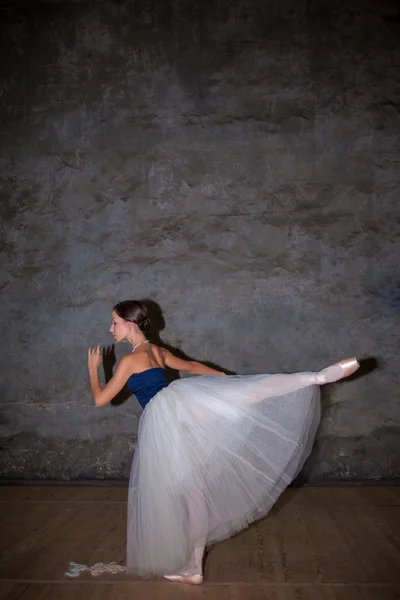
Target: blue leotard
[{"x": 147, "y": 384}]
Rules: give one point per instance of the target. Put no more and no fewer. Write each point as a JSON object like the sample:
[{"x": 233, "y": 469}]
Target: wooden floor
[{"x": 328, "y": 543}]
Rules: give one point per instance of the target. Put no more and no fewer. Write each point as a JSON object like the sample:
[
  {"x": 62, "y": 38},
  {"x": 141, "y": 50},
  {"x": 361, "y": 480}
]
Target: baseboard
[{"x": 109, "y": 483}]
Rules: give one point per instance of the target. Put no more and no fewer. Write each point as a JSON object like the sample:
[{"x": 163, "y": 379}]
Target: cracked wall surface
[{"x": 235, "y": 162}]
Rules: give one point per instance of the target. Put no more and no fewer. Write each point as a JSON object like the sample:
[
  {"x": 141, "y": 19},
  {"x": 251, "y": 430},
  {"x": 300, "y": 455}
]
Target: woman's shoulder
[
  {"x": 155, "y": 347},
  {"x": 127, "y": 360},
  {"x": 158, "y": 352},
  {"x": 146, "y": 356}
]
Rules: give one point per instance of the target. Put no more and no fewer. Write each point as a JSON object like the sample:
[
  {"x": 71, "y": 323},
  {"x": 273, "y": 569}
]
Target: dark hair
[{"x": 135, "y": 312}]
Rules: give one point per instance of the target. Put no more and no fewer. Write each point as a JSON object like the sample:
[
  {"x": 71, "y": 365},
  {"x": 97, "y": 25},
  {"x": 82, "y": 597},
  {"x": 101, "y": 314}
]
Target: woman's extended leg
[{"x": 281, "y": 384}]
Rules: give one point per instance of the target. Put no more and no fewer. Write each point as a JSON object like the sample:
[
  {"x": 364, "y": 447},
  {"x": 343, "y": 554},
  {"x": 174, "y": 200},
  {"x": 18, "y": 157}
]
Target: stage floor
[{"x": 325, "y": 543}]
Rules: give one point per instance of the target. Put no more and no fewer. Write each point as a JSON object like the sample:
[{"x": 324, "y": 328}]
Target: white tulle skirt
[{"x": 213, "y": 454}]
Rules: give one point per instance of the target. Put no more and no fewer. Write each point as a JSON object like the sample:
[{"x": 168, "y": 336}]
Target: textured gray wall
[{"x": 235, "y": 162}]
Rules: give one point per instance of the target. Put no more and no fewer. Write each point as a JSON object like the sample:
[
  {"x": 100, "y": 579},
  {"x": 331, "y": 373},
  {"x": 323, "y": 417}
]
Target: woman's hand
[{"x": 94, "y": 358}]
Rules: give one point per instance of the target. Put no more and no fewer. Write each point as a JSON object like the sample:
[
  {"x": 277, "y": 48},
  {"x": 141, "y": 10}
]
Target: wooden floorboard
[{"x": 318, "y": 543}]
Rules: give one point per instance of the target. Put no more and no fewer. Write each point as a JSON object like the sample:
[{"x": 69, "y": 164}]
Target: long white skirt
[{"x": 213, "y": 454}]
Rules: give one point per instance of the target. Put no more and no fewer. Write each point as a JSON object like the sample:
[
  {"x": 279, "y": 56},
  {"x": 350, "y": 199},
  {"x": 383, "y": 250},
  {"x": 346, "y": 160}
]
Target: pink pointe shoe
[
  {"x": 340, "y": 370},
  {"x": 195, "y": 579}
]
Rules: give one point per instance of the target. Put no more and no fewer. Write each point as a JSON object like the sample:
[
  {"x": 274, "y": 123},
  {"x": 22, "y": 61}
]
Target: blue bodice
[{"x": 147, "y": 384}]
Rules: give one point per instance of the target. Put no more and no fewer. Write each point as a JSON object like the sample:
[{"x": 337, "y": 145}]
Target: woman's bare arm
[
  {"x": 189, "y": 366},
  {"x": 103, "y": 396}
]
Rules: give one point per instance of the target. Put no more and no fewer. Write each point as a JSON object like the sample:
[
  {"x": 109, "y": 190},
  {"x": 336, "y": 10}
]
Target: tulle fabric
[{"x": 213, "y": 455}]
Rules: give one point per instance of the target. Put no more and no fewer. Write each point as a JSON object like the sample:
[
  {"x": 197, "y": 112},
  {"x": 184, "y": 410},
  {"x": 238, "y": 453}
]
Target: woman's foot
[
  {"x": 340, "y": 370},
  {"x": 191, "y": 579}
]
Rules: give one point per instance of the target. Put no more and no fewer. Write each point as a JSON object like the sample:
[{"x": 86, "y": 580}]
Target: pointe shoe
[
  {"x": 196, "y": 579},
  {"x": 340, "y": 370}
]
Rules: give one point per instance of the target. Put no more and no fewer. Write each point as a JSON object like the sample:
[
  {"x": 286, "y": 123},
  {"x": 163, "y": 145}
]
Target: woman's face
[{"x": 119, "y": 328}]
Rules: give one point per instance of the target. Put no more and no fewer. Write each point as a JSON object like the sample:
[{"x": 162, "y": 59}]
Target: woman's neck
[{"x": 137, "y": 339}]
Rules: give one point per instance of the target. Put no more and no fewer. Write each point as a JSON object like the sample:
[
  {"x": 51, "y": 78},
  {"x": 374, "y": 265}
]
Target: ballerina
[{"x": 214, "y": 452}]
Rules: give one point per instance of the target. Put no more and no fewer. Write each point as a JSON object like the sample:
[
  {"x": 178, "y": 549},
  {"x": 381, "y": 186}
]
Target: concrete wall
[{"x": 235, "y": 162}]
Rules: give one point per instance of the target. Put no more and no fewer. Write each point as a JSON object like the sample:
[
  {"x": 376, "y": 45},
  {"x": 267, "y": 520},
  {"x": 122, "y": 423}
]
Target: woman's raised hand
[{"x": 94, "y": 358}]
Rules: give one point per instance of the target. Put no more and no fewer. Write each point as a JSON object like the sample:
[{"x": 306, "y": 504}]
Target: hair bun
[
  {"x": 145, "y": 325},
  {"x": 134, "y": 311}
]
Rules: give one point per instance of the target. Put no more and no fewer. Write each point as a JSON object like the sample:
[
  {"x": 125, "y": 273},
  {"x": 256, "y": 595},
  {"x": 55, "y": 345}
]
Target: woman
[{"x": 213, "y": 453}]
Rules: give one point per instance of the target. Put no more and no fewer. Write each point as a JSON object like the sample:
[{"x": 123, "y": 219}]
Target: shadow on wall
[
  {"x": 367, "y": 365},
  {"x": 154, "y": 335},
  {"x": 158, "y": 324}
]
